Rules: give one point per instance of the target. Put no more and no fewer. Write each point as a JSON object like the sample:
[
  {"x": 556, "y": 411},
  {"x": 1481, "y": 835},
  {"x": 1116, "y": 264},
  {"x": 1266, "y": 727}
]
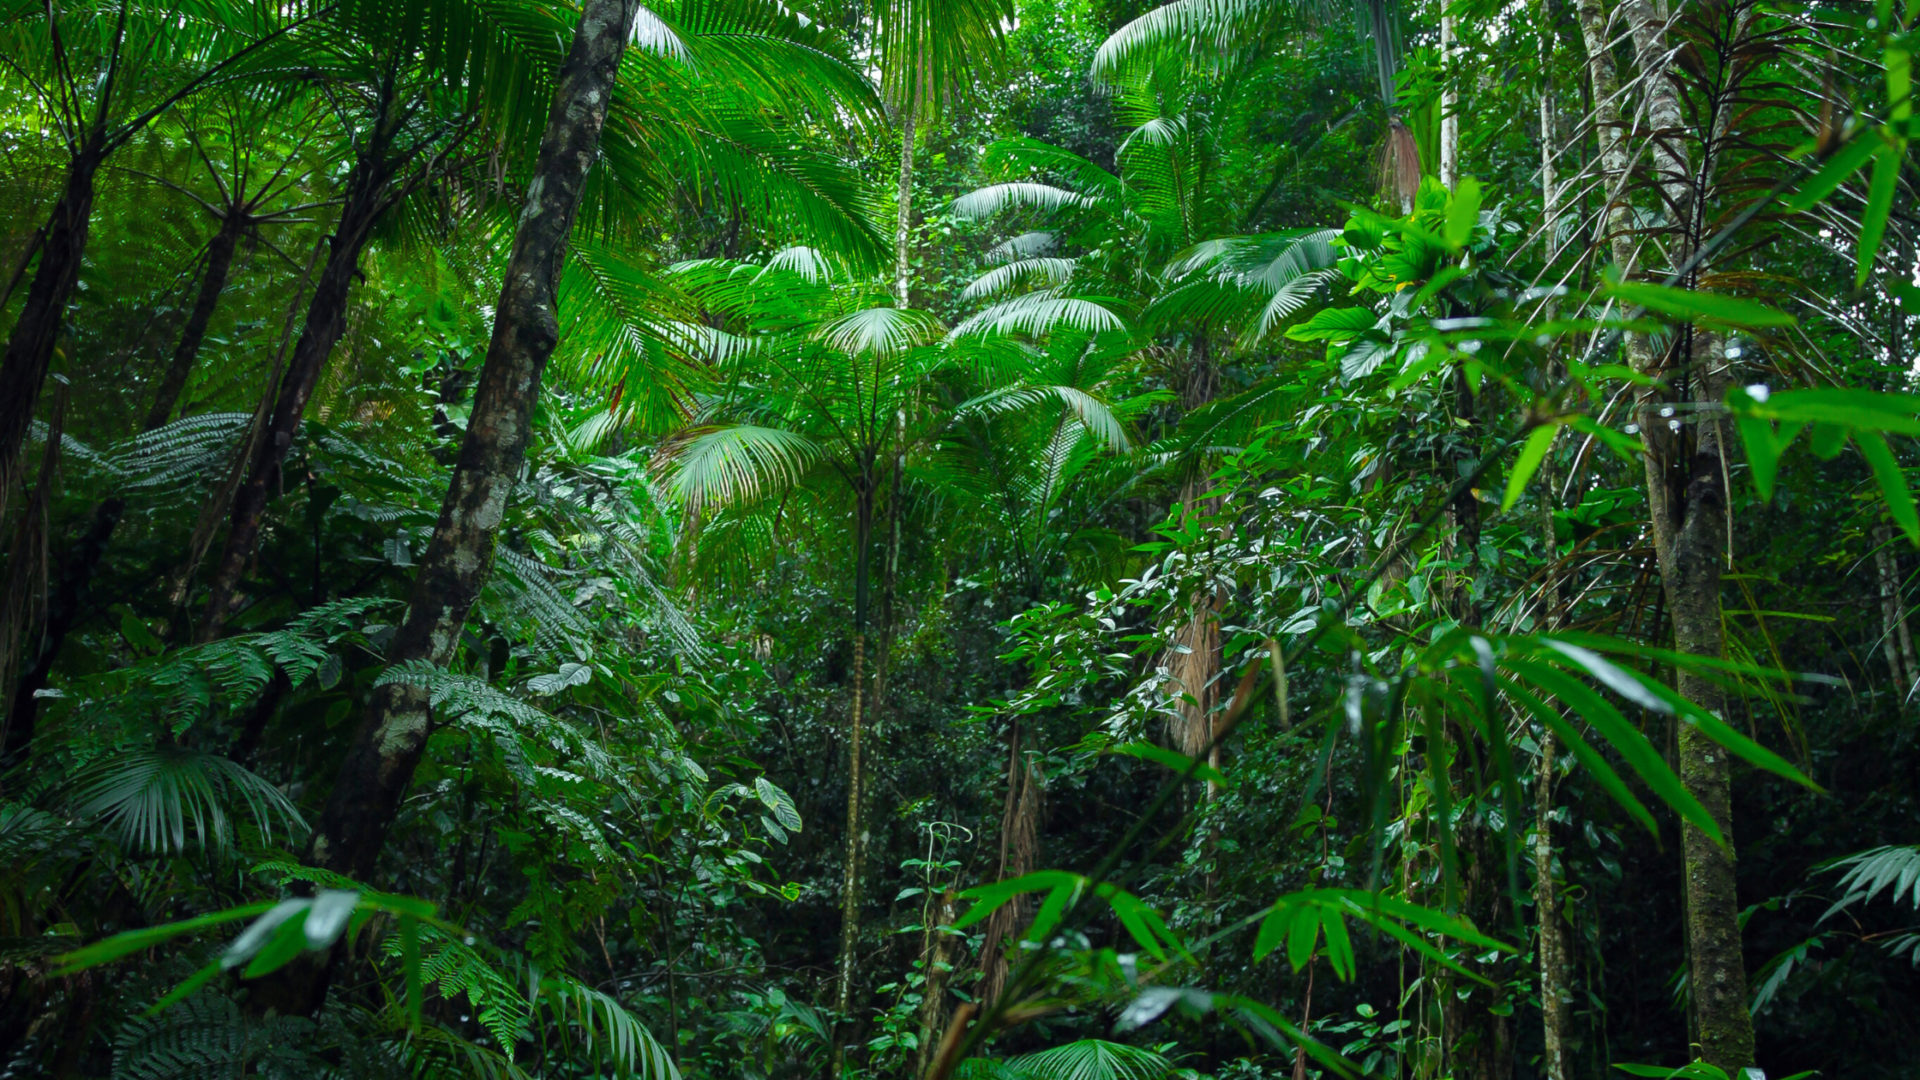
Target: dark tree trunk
[
  {"x": 212, "y": 284},
  {"x": 393, "y": 734},
  {"x": 30, "y": 347},
  {"x": 68, "y": 601},
  {"x": 368, "y": 193},
  {"x": 83, "y": 560}
]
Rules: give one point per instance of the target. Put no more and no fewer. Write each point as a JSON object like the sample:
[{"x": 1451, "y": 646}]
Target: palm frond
[
  {"x": 1038, "y": 314},
  {"x": 148, "y": 795},
  {"x": 878, "y": 331},
  {"x": 994, "y": 198},
  {"x": 1092, "y": 1059},
  {"x": 1049, "y": 272},
  {"x": 739, "y": 463}
]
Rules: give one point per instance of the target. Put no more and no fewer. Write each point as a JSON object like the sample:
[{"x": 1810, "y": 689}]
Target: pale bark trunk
[
  {"x": 1556, "y": 991},
  {"x": 392, "y": 736},
  {"x": 1687, "y": 498},
  {"x": 934, "y": 991},
  {"x": 856, "y": 838},
  {"x": 903, "y": 222},
  {"x": 1449, "y": 105},
  {"x": 1555, "y": 987},
  {"x": 1894, "y": 637}
]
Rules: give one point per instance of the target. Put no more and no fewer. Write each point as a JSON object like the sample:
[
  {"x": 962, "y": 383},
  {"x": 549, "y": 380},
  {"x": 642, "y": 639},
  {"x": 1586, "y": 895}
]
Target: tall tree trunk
[
  {"x": 368, "y": 194},
  {"x": 1687, "y": 498},
  {"x": 1449, "y": 103},
  {"x": 83, "y": 559},
  {"x": 1019, "y": 855},
  {"x": 1894, "y": 636},
  {"x": 387, "y": 748},
  {"x": 29, "y": 353},
  {"x": 1556, "y": 992},
  {"x": 856, "y": 839},
  {"x": 903, "y": 222},
  {"x": 25, "y": 599},
  {"x": 933, "y": 993},
  {"x": 180, "y": 366},
  {"x": 1689, "y": 511}
]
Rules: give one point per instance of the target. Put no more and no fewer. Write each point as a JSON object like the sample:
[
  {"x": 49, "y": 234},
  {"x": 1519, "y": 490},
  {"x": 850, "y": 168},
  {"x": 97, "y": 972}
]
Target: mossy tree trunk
[{"x": 392, "y": 736}]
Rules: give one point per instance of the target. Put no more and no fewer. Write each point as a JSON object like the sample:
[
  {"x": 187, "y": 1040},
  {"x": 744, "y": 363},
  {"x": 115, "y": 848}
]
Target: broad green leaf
[
  {"x": 1539, "y": 441},
  {"x": 988, "y": 897},
  {"x": 331, "y": 910},
  {"x": 133, "y": 941},
  {"x": 1142, "y": 923},
  {"x": 1339, "y": 945},
  {"x": 1302, "y": 933},
  {"x": 187, "y": 988},
  {"x": 1730, "y": 737},
  {"x": 1334, "y": 324},
  {"x": 1828, "y": 440},
  {"x": 1463, "y": 212},
  {"x": 1610, "y": 675},
  {"x": 1712, "y": 309},
  {"x": 262, "y": 930},
  {"x": 1867, "y": 410},
  {"x": 1052, "y": 910},
  {"x": 775, "y": 799}
]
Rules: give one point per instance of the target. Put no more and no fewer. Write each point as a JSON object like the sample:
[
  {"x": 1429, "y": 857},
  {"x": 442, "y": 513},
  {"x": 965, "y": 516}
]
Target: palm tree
[
  {"x": 226, "y": 137},
  {"x": 710, "y": 99},
  {"x": 929, "y": 53},
  {"x": 587, "y": 107},
  {"x": 100, "y": 73},
  {"x": 1144, "y": 240},
  {"x": 824, "y": 389}
]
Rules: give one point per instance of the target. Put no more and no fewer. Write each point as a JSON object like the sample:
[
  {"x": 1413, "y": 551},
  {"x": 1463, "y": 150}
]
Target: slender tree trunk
[
  {"x": 903, "y": 223},
  {"x": 933, "y": 996},
  {"x": 83, "y": 559},
  {"x": 392, "y": 736},
  {"x": 25, "y": 598},
  {"x": 1019, "y": 855},
  {"x": 856, "y": 840},
  {"x": 1689, "y": 510},
  {"x": 29, "y": 353},
  {"x": 1556, "y": 992},
  {"x": 1894, "y": 636},
  {"x": 1449, "y": 104},
  {"x": 212, "y": 284},
  {"x": 63, "y": 609},
  {"x": 368, "y": 194}
]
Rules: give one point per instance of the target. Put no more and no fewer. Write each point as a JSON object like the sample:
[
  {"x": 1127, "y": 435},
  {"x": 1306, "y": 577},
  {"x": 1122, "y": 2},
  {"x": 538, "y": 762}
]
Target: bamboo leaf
[
  {"x": 1873, "y": 220},
  {"x": 1893, "y": 482},
  {"x": 1712, "y": 309},
  {"x": 1173, "y": 759}
]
